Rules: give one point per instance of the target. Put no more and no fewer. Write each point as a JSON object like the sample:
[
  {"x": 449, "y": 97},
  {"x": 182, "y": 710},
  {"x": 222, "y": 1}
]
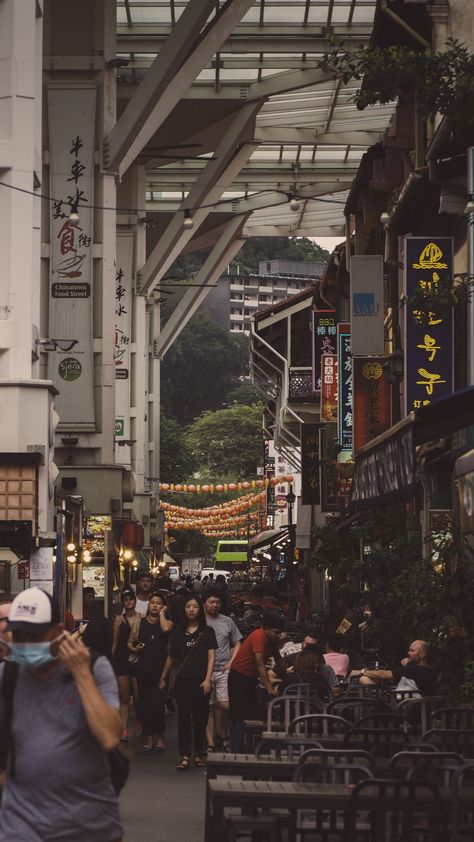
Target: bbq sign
[{"x": 429, "y": 331}]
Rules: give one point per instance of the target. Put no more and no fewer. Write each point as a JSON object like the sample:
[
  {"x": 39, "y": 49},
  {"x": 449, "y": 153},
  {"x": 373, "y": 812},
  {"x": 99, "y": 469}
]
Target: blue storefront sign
[
  {"x": 428, "y": 331},
  {"x": 345, "y": 388}
]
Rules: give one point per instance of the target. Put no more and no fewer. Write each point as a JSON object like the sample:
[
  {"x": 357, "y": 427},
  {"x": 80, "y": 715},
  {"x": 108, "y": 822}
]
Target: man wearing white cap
[{"x": 61, "y": 716}]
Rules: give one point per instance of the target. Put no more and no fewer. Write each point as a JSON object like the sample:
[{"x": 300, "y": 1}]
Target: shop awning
[
  {"x": 268, "y": 538},
  {"x": 385, "y": 469}
]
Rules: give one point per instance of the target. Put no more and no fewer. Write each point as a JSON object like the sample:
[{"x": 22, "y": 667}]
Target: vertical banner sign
[
  {"x": 329, "y": 383},
  {"x": 345, "y": 388},
  {"x": 428, "y": 334},
  {"x": 324, "y": 341},
  {"x": 310, "y": 482},
  {"x": 329, "y": 480},
  {"x": 71, "y": 160},
  {"x": 123, "y": 308},
  {"x": 371, "y": 400},
  {"x": 367, "y": 311}
]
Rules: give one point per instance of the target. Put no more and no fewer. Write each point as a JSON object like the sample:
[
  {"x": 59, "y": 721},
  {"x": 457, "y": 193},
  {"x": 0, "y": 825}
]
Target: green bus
[{"x": 231, "y": 554}]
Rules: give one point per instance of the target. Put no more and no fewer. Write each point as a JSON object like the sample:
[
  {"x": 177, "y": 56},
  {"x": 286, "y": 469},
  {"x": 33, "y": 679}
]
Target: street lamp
[
  {"x": 394, "y": 367},
  {"x": 290, "y": 553}
]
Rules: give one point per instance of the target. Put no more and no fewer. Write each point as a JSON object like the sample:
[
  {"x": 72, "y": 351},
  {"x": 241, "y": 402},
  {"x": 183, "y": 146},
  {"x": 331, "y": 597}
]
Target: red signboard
[
  {"x": 371, "y": 399},
  {"x": 329, "y": 388},
  {"x": 24, "y": 570}
]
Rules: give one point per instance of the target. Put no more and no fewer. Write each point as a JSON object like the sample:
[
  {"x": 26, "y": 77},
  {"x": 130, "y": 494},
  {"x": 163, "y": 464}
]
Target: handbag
[
  {"x": 176, "y": 671},
  {"x": 119, "y": 767}
]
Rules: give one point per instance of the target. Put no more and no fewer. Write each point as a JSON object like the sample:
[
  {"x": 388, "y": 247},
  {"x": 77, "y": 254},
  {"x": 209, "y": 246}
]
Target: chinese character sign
[
  {"x": 71, "y": 158},
  {"x": 345, "y": 388},
  {"x": 324, "y": 341},
  {"x": 310, "y": 464},
  {"x": 429, "y": 335},
  {"x": 329, "y": 388},
  {"x": 123, "y": 323},
  {"x": 371, "y": 400}
]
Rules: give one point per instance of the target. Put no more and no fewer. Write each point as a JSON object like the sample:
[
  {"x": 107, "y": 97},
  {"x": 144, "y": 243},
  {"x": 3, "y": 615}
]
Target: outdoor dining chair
[
  {"x": 284, "y": 709},
  {"x": 420, "y": 710},
  {"x": 462, "y": 808},
  {"x": 355, "y": 708},
  {"x": 319, "y": 724},
  {"x": 335, "y": 756},
  {"x": 452, "y": 717},
  {"x": 394, "y": 811},
  {"x": 280, "y": 747},
  {"x": 379, "y": 742},
  {"x": 460, "y": 740},
  {"x": 436, "y": 767},
  {"x": 390, "y": 720}
]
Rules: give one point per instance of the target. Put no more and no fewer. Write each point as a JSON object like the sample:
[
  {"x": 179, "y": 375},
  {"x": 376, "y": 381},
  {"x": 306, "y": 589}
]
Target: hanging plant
[
  {"x": 438, "y": 301},
  {"x": 442, "y": 82}
]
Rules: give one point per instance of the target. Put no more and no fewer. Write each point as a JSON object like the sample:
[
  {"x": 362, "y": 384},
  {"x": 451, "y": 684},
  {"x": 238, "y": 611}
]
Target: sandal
[
  {"x": 199, "y": 762},
  {"x": 147, "y": 748},
  {"x": 183, "y": 764}
]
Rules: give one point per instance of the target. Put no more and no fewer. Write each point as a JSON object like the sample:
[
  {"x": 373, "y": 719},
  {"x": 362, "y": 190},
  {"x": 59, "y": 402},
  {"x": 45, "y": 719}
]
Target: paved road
[{"x": 159, "y": 803}]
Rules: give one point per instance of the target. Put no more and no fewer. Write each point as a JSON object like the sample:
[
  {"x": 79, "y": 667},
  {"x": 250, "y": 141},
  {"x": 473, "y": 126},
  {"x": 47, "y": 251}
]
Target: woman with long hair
[
  {"x": 149, "y": 640},
  {"x": 192, "y": 650},
  {"x": 122, "y": 626}
]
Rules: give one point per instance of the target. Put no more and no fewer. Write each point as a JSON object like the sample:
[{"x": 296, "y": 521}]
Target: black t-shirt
[
  {"x": 199, "y": 643},
  {"x": 424, "y": 677},
  {"x": 152, "y": 658}
]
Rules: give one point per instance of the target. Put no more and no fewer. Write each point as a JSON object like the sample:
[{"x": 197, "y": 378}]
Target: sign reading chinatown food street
[
  {"x": 329, "y": 388},
  {"x": 310, "y": 481},
  {"x": 371, "y": 399},
  {"x": 324, "y": 341},
  {"x": 345, "y": 388},
  {"x": 429, "y": 334}
]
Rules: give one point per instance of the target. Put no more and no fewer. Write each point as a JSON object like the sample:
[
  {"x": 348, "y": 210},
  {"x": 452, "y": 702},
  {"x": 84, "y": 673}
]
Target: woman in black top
[
  {"x": 120, "y": 652},
  {"x": 149, "y": 639},
  {"x": 192, "y": 649}
]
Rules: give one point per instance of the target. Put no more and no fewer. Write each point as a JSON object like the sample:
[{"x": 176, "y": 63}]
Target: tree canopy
[
  {"x": 200, "y": 369},
  {"x": 228, "y": 441}
]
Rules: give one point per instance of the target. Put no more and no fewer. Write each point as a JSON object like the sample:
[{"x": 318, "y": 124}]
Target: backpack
[{"x": 119, "y": 765}]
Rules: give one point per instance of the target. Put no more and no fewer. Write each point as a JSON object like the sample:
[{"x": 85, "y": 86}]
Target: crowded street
[{"x": 237, "y": 420}]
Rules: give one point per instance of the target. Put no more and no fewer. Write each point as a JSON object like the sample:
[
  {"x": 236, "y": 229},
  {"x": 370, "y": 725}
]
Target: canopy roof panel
[{"x": 309, "y": 136}]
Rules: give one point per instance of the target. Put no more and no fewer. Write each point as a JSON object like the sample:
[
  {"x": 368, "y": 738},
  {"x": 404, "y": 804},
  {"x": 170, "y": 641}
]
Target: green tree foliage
[
  {"x": 200, "y": 369},
  {"x": 411, "y": 597},
  {"x": 176, "y": 459},
  {"x": 229, "y": 440},
  {"x": 443, "y": 81},
  {"x": 246, "y": 393}
]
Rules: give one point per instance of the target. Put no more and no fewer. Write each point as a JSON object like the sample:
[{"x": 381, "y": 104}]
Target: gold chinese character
[
  {"x": 430, "y": 346},
  {"x": 431, "y": 379},
  {"x": 420, "y": 314},
  {"x": 430, "y": 285},
  {"x": 419, "y": 404}
]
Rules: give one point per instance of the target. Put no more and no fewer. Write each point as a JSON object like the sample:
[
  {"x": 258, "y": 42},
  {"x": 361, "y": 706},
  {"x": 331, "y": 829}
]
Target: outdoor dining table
[
  {"x": 249, "y": 766},
  {"x": 268, "y": 795}
]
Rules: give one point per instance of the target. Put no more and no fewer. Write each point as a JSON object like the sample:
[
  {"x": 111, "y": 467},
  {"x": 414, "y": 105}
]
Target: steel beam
[
  {"x": 180, "y": 59},
  {"x": 209, "y": 187},
  {"x": 226, "y": 247},
  {"x": 281, "y": 83},
  {"x": 288, "y": 136}
]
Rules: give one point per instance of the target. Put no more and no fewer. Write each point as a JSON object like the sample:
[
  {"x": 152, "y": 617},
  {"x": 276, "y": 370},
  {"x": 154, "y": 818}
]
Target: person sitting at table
[
  {"x": 306, "y": 670},
  {"x": 415, "y": 668},
  {"x": 334, "y": 656}
]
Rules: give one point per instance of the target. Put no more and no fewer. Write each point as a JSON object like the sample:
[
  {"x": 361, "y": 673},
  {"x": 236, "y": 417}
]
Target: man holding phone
[{"x": 64, "y": 719}]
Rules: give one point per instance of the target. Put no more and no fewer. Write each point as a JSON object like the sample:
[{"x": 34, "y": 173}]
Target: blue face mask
[{"x": 31, "y": 654}]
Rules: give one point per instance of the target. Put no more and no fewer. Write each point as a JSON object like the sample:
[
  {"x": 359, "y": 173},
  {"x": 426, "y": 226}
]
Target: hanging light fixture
[{"x": 188, "y": 220}]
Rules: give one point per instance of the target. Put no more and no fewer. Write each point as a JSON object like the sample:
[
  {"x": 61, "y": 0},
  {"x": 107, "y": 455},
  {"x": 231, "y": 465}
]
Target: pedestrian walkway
[{"x": 159, "y": 802}]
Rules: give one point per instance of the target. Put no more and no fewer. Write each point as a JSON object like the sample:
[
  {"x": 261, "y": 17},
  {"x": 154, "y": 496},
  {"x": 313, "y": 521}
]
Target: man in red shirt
[{"x": 247, "y": 668}]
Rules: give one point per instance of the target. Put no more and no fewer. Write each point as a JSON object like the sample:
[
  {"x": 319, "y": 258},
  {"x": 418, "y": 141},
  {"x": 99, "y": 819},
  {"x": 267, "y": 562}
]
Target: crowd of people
[{"x": 66, "y": 694}]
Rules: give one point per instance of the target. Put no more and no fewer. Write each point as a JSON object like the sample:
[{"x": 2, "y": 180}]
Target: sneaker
[
  {"x": 124, "y": 738},
  {"x": 138, "y": 729}
]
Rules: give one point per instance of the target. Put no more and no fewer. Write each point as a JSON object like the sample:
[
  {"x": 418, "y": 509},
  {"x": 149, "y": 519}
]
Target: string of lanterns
[
  {"x": 224, "y": 487},
  {"x": 241, "y": 504}
]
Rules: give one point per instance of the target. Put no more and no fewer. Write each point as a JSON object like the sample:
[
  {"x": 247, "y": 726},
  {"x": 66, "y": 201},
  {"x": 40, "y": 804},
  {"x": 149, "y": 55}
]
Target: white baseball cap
[{"x": 33, "y": 610}]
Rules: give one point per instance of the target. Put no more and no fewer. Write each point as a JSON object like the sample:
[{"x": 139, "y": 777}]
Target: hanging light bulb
[
  {"x": 86, "y": 556},
  {"x": 74, "y": 218},
  {"x": 188, "y": 220},
  {"x": 294, "y": 204}
]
